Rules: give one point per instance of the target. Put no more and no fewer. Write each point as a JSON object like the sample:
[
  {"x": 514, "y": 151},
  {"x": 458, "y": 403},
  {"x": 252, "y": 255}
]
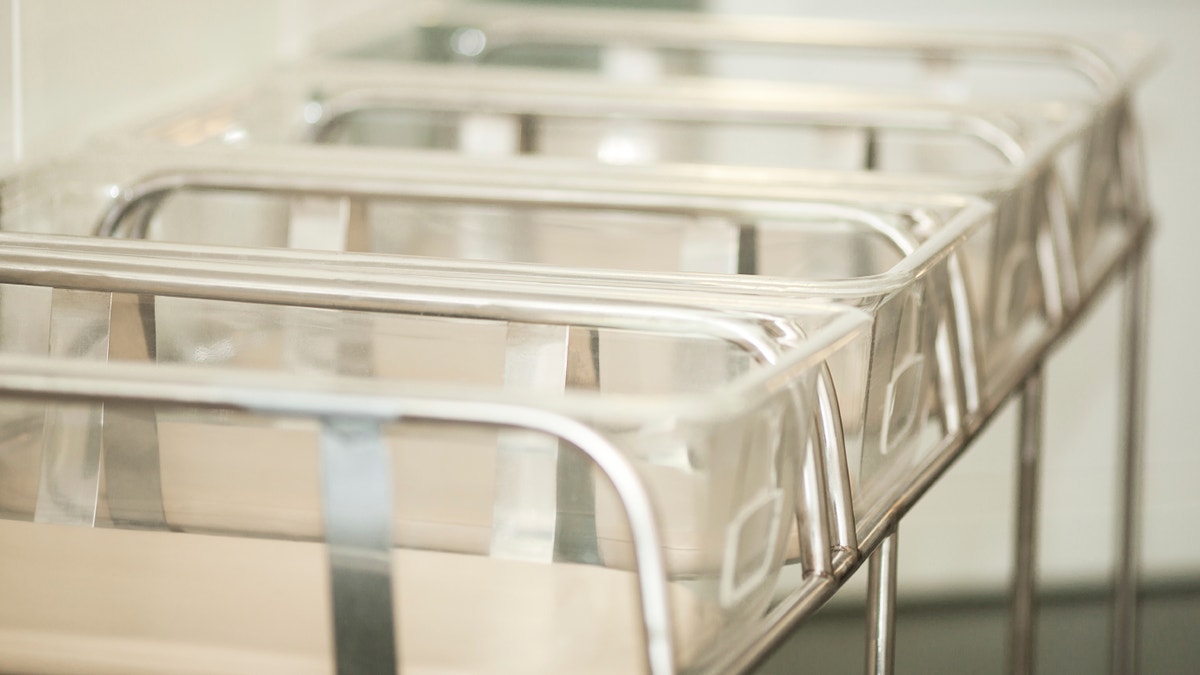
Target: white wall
[{"x": 87, "y": 65}]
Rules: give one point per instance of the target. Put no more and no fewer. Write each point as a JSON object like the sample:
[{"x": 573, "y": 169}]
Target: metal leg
[
  {"x": 1125, "y": 591},
  {"x": 881, "y": 608},
  {"x": 1023, "y": 617}
]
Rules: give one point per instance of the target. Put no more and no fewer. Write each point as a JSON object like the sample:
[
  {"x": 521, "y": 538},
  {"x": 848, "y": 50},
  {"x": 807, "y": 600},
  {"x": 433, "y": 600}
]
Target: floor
[{"x": 969, "y": 636}]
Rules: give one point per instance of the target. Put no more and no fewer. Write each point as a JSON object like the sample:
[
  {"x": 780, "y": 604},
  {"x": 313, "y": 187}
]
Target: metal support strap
[
  {"x": 525, "y": 506},
  {"x": 132, "y": 468},
  {"x": 1023, "y": 617},
  {"x": 356, "y": 482},
  {"x": 69, "y": 484},
  {"x": 881, "y": 608},
  {"x": 575, "y": 521}
]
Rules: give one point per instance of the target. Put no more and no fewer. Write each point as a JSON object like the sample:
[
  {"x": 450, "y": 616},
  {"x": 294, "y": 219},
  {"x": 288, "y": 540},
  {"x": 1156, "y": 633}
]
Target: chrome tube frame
[{"x": 1023, "y": 590}]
